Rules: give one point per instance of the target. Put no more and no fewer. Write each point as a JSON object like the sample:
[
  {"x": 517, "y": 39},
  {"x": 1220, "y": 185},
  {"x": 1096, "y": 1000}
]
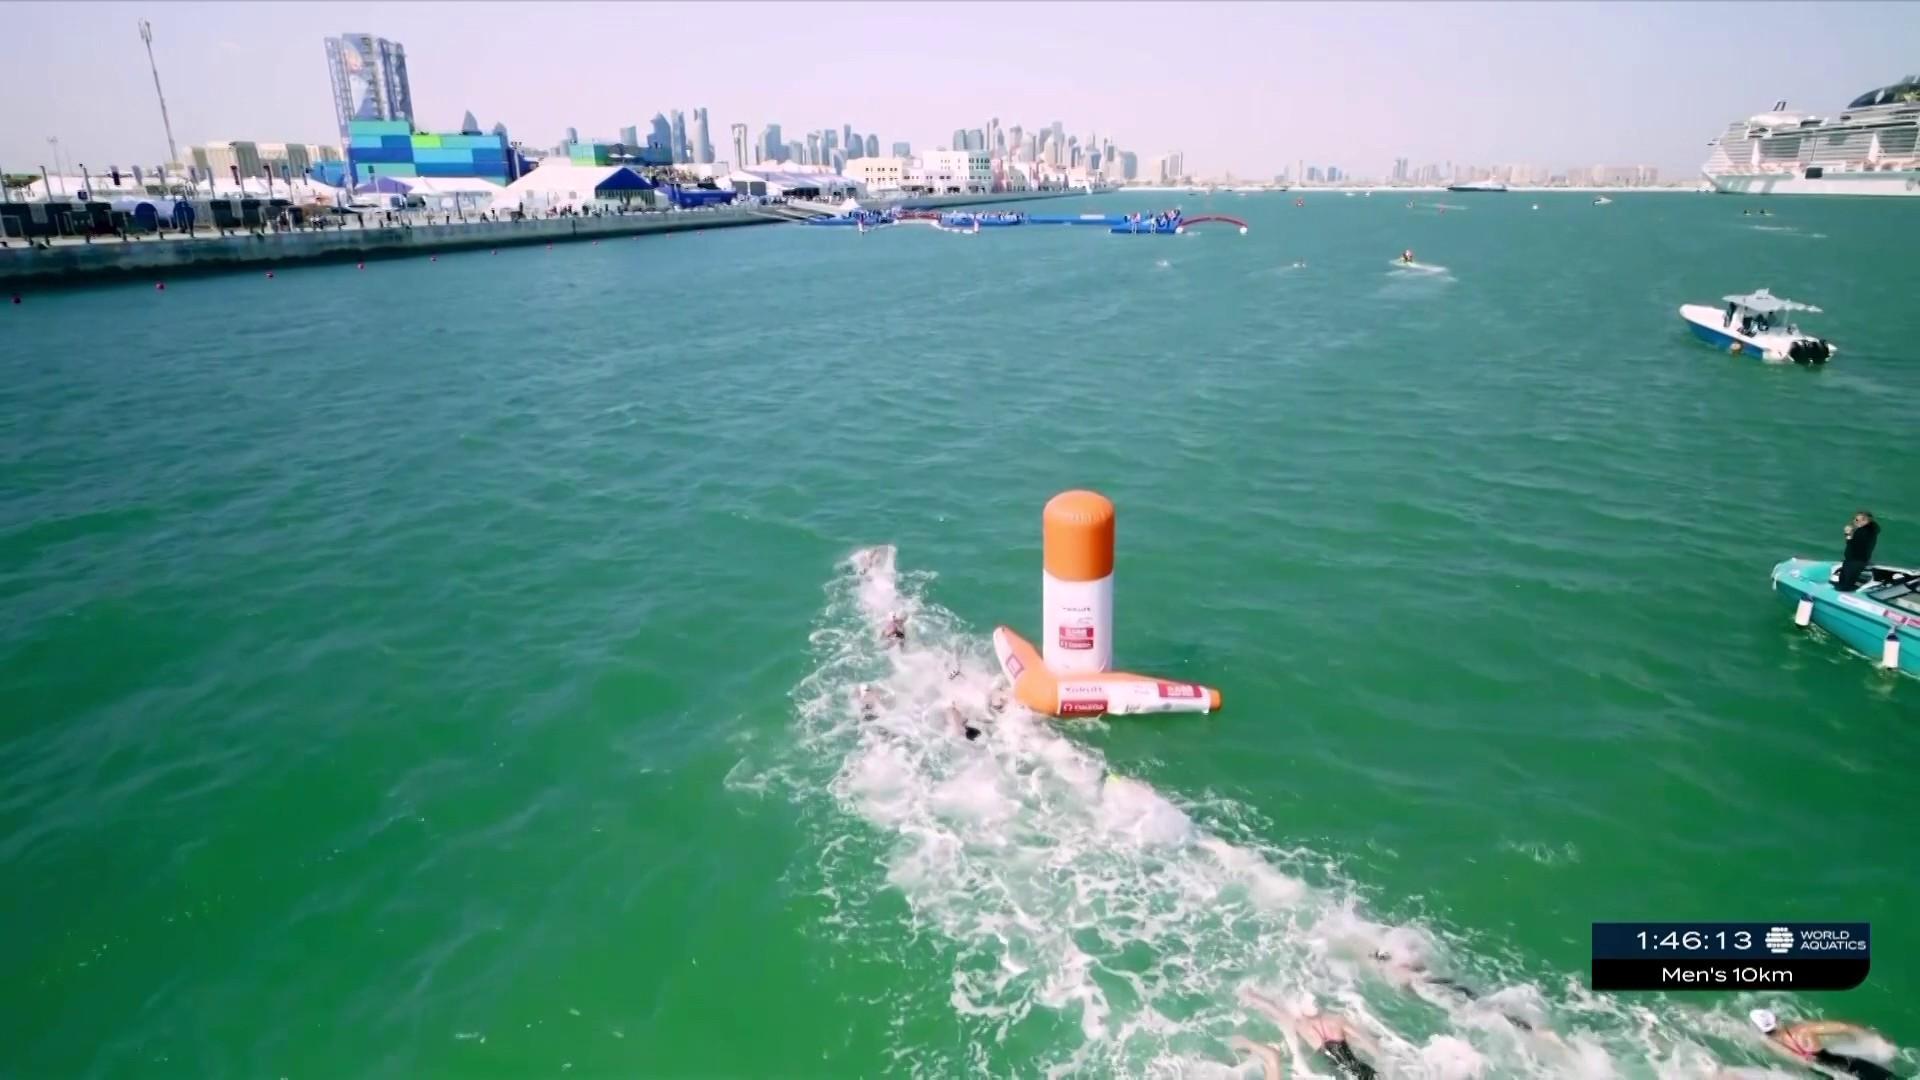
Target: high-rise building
[
  {"x": 1400, "y": 170},
  {"x": 846, "y": 138},
  {"x": 702, "y": 142},
  {"x": 959, "y": 139},
  {"x": 1176, "y": 167},
  {"x": 838, "y": 159},
  {"x": 902, "y": 150},
  {"x": 1313, "y": 174},
  {"x": 796, "y": 152},
  {"x": 740, "y": 158},
  {"x": 829, "y": 142},
  {"x": 873, "y": 146},
  {"x": 771, "y": 147},
  {"x": 994, "y": 140},
  {"x": 976, "y": 140},
  {"x": 677, "y": 144},
  {"x": 660, "y": 139},
  {"x": 630, "y": 138},
  {"x": 369, "y": 80},
  {"x": 573, "y": 136},
  {"x": 856, "y": 144},
  {"x": 1129, "y": 165},
  {"x": 813, "y": 149}
]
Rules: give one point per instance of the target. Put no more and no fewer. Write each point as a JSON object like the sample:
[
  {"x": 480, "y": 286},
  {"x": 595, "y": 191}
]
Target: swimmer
[
  {"x": 960, "y": 724},
  {"x": 894, "y": 630},
  {"x": 996, "y": 701},
  {"x": 1802, "y": 1043},
  {"x": 1412, "y": 975},
  {"x": 868, "y": 700},
  {"x": 1329, "y": 1036},
  {"x": 1270, "y": 1064}
]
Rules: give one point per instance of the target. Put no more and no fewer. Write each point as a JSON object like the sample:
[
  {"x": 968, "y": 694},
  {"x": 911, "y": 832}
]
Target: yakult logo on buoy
[
  {"x": 1076, "y": 637},
  {"x": 1179, "y": 690}
]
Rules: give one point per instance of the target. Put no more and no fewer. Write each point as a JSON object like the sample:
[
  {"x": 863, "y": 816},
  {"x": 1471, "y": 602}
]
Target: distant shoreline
[{"x": 1235, "y": 189}]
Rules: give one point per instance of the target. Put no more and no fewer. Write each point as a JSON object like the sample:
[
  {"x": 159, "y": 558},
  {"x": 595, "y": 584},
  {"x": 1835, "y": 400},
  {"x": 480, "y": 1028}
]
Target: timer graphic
[{"x": 1730, "y": 956}]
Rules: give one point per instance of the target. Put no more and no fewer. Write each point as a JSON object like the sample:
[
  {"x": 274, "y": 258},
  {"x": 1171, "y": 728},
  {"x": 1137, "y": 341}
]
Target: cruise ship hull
[{"x": 1860, "y": 183}]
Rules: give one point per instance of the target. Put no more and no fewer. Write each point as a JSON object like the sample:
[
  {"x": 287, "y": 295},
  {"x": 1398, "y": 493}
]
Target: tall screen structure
[{"x": 369, "y": 79}]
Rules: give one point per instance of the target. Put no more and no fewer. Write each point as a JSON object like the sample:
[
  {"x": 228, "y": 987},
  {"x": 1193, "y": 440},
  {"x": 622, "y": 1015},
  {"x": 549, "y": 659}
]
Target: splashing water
[{"x": 1098, "y": 921}]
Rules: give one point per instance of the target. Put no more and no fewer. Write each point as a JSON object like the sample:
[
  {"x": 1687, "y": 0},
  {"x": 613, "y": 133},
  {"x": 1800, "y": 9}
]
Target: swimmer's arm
[
  {"x": 1830, "y": 1027},
  {"x": 1268, "y": 1007},
  {"x": 1269, "y": 1056}
]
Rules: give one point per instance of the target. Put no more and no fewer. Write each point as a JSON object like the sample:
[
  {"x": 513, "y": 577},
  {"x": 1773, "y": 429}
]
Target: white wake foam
[{"x": 1105, "y": 927}]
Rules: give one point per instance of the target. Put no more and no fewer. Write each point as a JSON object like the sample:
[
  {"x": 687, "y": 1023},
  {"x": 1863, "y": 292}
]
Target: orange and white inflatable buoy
[
  {"x": 1073, "y": 678},
  {"x": 1076, "y": 586}
]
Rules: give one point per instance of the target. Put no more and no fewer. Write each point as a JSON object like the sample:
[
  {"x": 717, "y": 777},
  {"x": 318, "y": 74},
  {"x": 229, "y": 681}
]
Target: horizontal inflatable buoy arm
[{"x": 1116, "y": 693}]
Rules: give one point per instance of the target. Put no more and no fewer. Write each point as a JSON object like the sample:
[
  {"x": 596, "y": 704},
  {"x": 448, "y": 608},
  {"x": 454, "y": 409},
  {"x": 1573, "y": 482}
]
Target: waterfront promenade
[{"x": 108, "y": 257}]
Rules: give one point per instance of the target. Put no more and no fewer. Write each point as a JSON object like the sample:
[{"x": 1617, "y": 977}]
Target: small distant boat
[
  {"x": 1603, "y": 201},
  {"x": 1880, "y": 619},
  {"x": 1536, "y": 206},
  {"x": 1748, "y": 325}
]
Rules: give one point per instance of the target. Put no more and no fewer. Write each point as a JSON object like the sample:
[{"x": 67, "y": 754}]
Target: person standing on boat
[{"x": 1862, "y": 534}]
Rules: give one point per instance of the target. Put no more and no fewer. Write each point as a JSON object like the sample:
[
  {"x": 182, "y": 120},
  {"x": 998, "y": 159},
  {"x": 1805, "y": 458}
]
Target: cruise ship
[
  {"x": 1478, "y": 185},
  {"x": 1867, "y": 150}
]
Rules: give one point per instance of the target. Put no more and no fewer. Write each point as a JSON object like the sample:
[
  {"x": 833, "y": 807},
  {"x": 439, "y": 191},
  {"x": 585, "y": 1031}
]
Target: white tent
[
  {"x": 560, "y": 185},
  {"x": 781, "y": 182},
  {"x": 453, "y": 193},
  {"x": 298, "y": 190}
]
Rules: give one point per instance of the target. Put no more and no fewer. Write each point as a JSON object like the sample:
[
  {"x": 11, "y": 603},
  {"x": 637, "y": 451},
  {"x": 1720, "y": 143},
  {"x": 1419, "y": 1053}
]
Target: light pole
[
  {"x": 58, "y": 169},
  {"x": 146, "y": 35}
]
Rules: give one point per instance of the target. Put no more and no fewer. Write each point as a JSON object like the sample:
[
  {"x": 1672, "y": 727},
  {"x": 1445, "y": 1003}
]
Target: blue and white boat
[
  {"x": 1756, "y": 325},
  {"x": 1879, "y": 620}
]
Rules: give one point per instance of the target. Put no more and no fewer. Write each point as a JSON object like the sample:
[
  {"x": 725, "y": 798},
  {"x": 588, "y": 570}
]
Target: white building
[
  {"x": 958, "y": 170},
  {"x": 880, "y": 175}
]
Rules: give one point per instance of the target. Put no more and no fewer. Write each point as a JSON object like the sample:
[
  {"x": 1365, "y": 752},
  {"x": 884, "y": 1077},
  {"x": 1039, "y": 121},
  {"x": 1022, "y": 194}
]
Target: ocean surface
[{"x": 446, "y": 668}]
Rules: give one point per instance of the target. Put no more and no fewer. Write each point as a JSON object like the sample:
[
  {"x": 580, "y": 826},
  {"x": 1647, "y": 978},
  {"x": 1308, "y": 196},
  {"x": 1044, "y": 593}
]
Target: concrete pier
[{"x": 107, "y": 258}]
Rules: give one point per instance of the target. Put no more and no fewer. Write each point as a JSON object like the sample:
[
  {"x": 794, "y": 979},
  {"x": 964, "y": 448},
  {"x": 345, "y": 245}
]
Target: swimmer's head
[
  {"x": 861, "y": 689},
  {"x": 1764, "y": 1020}
]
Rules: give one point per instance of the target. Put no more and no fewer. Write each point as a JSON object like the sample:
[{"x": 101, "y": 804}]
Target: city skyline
[{"x": 1518, "y": 102}]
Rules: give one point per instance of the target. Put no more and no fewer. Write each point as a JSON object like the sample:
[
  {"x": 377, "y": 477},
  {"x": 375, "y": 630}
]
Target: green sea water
[{"x": 447, "y": 668}]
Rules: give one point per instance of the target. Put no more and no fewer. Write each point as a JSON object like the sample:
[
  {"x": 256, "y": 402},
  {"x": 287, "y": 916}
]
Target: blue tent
[
  {"x": 689, "y": 197},
  {"x": 384, "y": 185},
  {"x": 625, "y": 180}
]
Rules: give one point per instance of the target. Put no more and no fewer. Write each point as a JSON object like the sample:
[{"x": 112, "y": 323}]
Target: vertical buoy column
[{"x": 1077, "y": 584}]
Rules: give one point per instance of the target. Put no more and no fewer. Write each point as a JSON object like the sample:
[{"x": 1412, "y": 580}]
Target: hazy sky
[{"x": 1236, "y": 86}]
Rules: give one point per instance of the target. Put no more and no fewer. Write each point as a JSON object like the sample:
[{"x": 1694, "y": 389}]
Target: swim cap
[
  {"x": 860, "y": 689},
  {"x": 1764, "y": 1020}
]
